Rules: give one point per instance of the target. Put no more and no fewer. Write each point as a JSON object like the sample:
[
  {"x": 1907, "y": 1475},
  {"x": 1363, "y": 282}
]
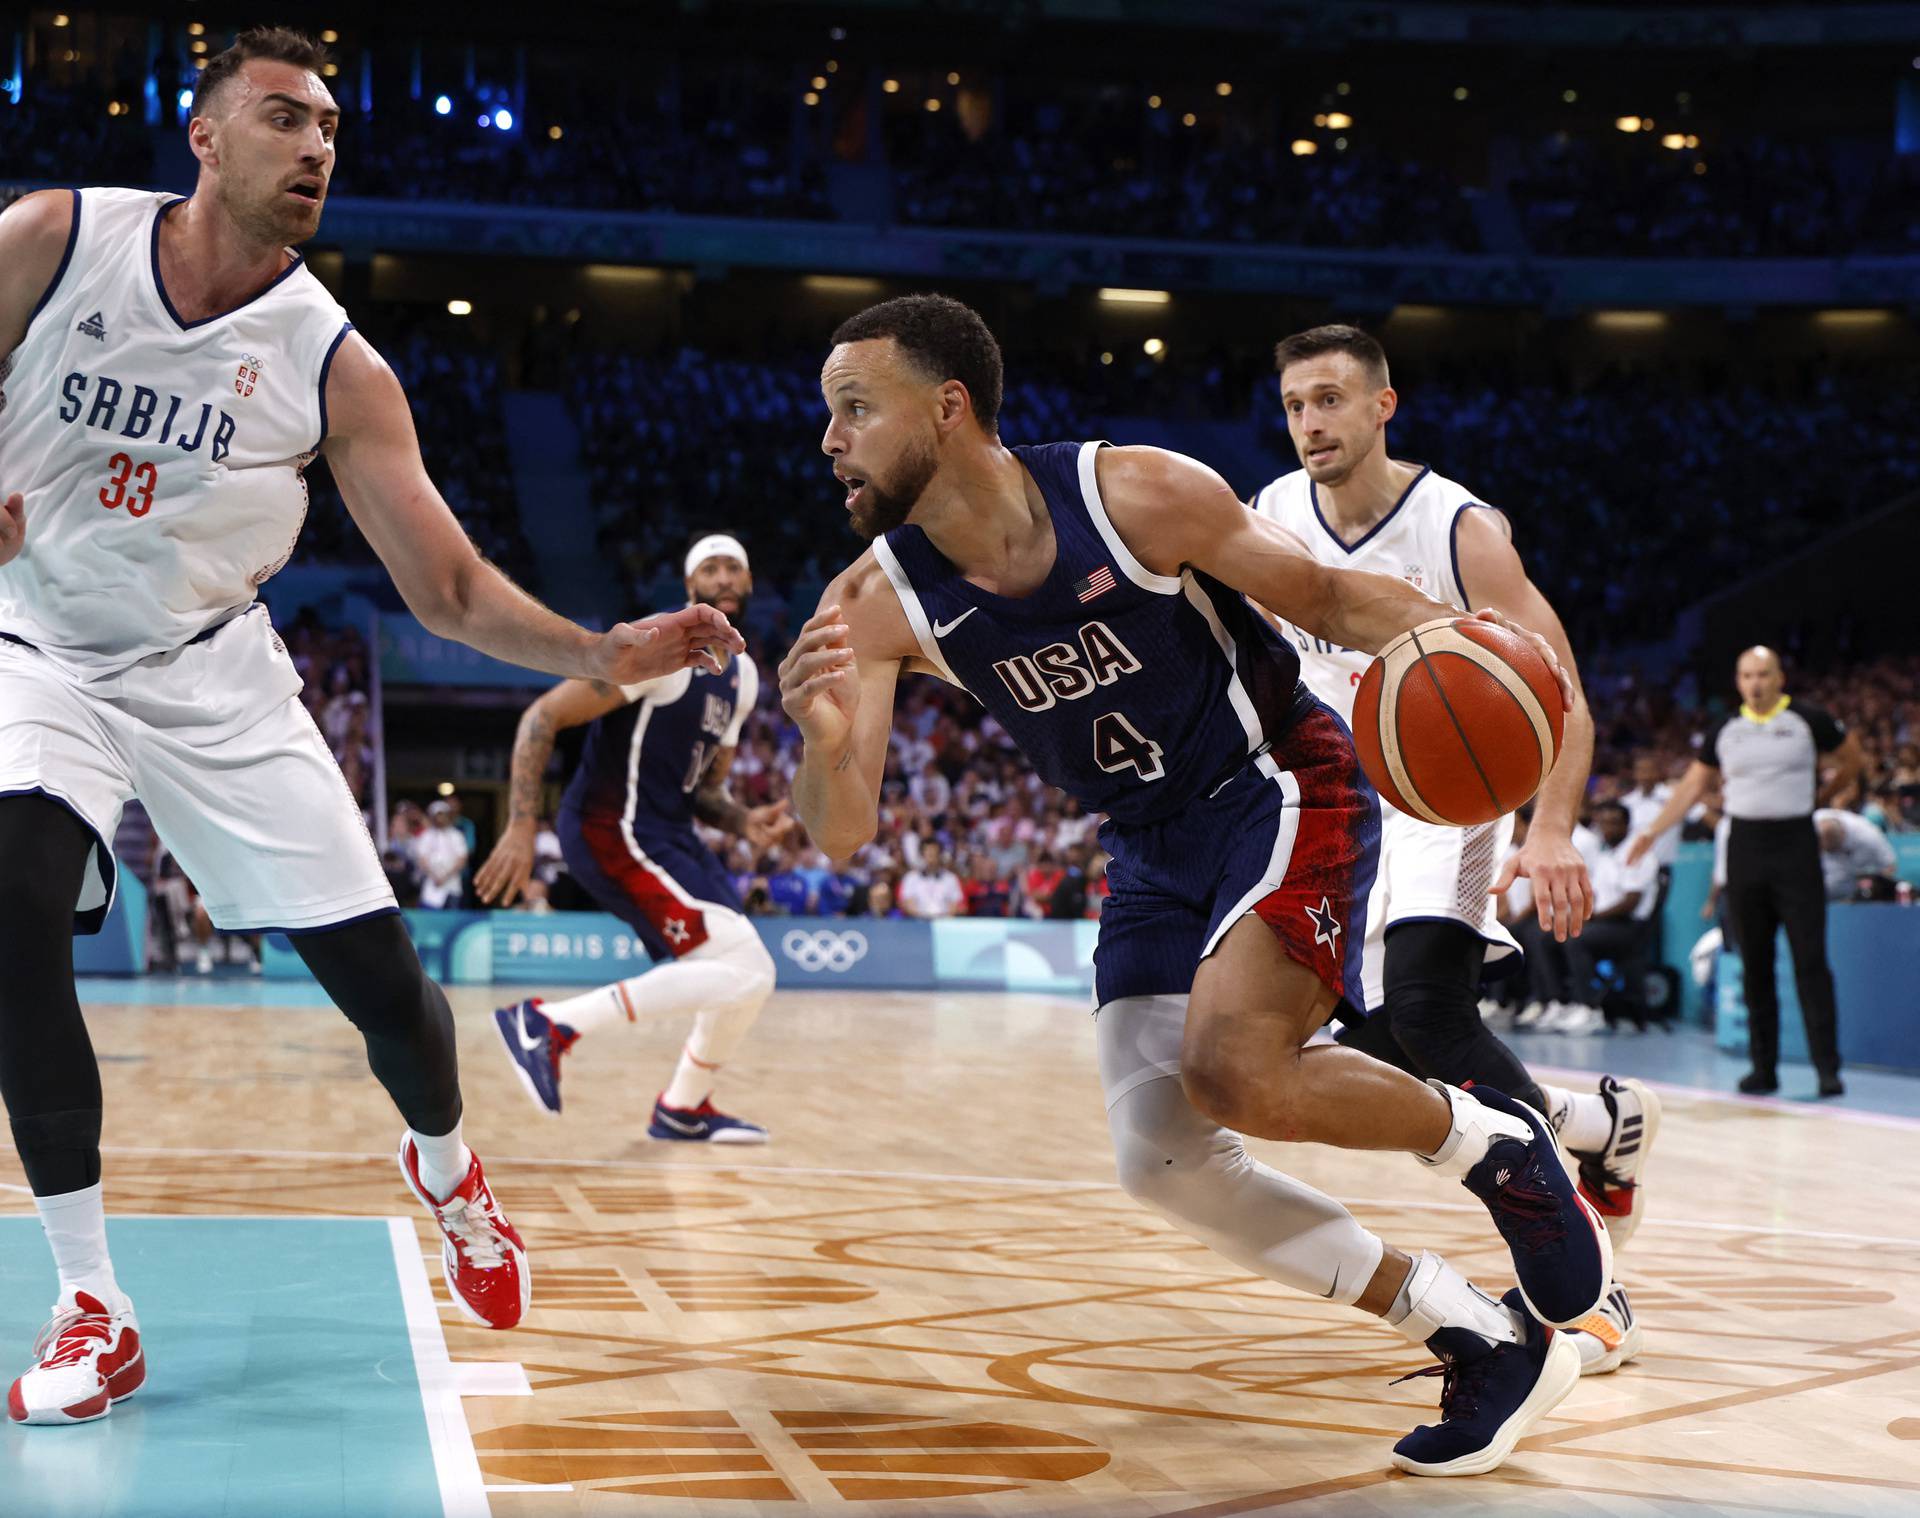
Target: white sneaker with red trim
[
  {"x": 484, "y": 1261},
  {"x": 85, "y": 1360}
]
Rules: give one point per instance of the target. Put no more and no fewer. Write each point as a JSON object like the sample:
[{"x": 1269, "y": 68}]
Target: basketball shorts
[
  {"x": 662, "y": 881},
  {"x": 1430, "y": 873},
  {"x": 1291, "y": 839},
  {"x": 213, "y": 740}
]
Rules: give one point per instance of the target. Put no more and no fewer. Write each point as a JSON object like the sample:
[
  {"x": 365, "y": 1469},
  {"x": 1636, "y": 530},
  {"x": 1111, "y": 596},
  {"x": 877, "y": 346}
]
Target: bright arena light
[
  {"x": 186, "y": 100},
  {"x": 503, "y": 118},
  {"x": 442, "y": 106},
  {"x": 1153, "y": 347},
  {"x": 459, "y": 308},
  {"x": 1305, "y": 147},
  {"x": 1627, "y": 123},
  {"x": 1135, "y": 297}
]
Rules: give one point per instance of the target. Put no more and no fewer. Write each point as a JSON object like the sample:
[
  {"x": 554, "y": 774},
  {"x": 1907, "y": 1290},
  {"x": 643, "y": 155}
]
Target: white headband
[{"x": 715, "y": 545}]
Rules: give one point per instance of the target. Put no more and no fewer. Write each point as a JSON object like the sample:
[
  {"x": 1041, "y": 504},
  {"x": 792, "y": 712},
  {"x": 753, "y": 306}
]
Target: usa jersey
[
  {"x": 160, "y": 459},
  {"x": 1132, "y": 691},
  {"x": 1415, "y": 542},
  {"x": 643, "y": 761}
]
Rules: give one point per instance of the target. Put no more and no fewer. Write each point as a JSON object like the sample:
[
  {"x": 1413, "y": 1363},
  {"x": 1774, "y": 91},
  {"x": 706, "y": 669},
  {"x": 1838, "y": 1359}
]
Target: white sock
[
  {"x": 1436, "y": 1296},
  {"x": 680, "y": 988},
  {"x": 1580, "y": 1118},
  {"x": 443, "y": 1161},
  {"x": 692, "y": 1081},
  {"x": 1475, "y": 1126},
  {"x": 75, "y": 1223}
]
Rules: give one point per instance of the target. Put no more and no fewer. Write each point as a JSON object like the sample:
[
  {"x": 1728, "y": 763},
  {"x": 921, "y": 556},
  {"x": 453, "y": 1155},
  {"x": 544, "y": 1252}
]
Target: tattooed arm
[
  {"x": 572, "y": 703},
  {"x": 713, "y": 804}
]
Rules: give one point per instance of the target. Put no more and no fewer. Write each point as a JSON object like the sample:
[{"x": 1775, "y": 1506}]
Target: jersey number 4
[
  {"x": 138, "y": 500},
  {"x": 1118, "y": 745}
]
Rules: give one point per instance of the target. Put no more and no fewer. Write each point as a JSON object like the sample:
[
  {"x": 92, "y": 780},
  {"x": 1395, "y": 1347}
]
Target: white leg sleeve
[
  {"x": 1199, "y": 1175},
  {"x": 732, "y": 946}
]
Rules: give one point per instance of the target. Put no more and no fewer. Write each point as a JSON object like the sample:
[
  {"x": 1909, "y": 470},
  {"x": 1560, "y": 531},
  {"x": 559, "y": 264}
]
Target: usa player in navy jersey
[
  {"x": 657, "y": 756},
  {"x": 1096, "y": 601},
  {"x": 170, "y": 366}
]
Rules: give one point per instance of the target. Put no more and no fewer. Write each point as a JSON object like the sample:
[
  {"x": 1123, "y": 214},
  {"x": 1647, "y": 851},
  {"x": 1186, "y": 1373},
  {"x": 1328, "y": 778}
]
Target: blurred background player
[
  {"x": 1432, "y": 920},
  {"x": 657, "y": 756}
]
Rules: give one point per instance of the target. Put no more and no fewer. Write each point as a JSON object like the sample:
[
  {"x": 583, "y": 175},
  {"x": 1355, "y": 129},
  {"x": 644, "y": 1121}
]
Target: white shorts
[
  {"x": 1429, "y": 873},
  {"x": 213, "y": 740}
]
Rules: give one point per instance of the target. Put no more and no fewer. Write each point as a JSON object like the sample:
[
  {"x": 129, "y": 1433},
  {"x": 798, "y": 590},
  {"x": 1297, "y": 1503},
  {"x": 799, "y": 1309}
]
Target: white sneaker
[
  {"x": 203, "y": 962},
  {"x": 1581, "y": 1020},
  {"x": 85, "y": 1360},
  {"x": 1609, "y": 1336},
  {"x": 1531, "y": 1014},
  {"x": 1610, "y": 1180}
]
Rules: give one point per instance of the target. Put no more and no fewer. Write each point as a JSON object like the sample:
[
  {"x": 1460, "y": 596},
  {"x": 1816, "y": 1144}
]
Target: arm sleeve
[
  {"x": 748, "y": 699},
  {"x": 1709, "y": 750},
  {"x": 1828, "y": 731}
]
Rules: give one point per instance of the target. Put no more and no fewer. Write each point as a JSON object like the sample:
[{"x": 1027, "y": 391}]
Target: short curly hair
[
  {"x": 280, "y": 43},
  {"x": 945, "y": 340}
]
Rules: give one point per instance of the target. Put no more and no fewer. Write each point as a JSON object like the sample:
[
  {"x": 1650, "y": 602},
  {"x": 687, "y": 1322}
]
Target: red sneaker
[
  {"x": 484, "y": 1261},
  {"x": 85, "y": 1360}
]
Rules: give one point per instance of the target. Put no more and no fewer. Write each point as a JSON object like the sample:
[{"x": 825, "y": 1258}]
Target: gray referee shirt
[{"x": 1770, "y": 766}]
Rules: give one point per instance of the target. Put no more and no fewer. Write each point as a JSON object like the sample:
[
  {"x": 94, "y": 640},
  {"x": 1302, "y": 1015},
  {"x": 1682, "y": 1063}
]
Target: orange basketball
[{"x": 1458, "y": 721}]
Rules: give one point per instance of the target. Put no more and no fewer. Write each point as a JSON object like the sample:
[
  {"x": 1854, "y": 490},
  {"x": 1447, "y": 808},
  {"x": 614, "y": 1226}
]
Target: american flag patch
[{"x": 1096, "y": 584}]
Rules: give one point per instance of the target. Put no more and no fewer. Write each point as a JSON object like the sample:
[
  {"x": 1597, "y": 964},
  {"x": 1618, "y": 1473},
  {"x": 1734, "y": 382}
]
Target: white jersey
[
  {"x": 160, "y": 460},
  {"x": 1414, "y": 542}
]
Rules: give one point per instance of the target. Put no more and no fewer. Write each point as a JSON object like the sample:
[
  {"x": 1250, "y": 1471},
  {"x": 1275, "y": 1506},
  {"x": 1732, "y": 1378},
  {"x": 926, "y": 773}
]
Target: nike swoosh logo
[
  {"x": 520, "y": 1032},
  {"x": 675, "y": 1123},
  {"x": 941, "y": 629}
]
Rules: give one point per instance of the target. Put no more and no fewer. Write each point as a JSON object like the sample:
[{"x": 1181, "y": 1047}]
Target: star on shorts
[
  {"x": 676, "y": 929},
  {"x": 1326, "y": 928}
]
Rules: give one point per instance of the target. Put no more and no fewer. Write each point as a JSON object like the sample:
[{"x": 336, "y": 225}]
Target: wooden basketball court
[{"x": 926, "y": 1296}]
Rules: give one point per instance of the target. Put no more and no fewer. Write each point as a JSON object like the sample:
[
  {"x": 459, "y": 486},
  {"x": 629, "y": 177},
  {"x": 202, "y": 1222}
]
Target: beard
[
  {"x": 885, "y": 507},
  {"x": 739, "y": 603},
  {"x": 273, "y": 221}
]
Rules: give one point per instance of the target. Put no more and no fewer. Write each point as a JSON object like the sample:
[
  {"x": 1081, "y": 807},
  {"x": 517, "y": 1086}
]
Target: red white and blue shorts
[{"x": 660, "y": 880}]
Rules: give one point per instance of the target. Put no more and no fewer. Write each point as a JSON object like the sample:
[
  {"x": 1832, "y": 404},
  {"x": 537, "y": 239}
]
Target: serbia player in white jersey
[
  {"x": 656, "y": 757},
  {"x": 169, "y": 366},
  {"x": 1431, "y": 920}
]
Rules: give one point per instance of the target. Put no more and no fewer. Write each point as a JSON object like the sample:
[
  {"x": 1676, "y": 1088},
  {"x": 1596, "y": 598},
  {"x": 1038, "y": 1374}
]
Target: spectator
[
  {"x": 1041, "y": 882},
  {"x": 930, "y": 889},
  {"x": 441, "y": 853},
  {"x": 1856, "y": 861},
  {"x": 988, "y": 893}
]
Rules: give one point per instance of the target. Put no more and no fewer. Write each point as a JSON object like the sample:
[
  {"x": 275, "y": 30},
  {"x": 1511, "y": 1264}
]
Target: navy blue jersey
[
  {"x": 1132, "y": 691},
  {"x": 643, "y": 761}
]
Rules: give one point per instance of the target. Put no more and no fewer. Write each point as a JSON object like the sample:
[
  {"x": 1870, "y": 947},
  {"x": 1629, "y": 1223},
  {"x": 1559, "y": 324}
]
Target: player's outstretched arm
[
  {"x": 1173, "y": 511},
  {"x": 837, "y": 684},
  {"x": 572, "y": 703},
  {"x": 33, "y": 241},
  {"x": 1493, "y": 576},
  {"x": 454, "y": 592}
]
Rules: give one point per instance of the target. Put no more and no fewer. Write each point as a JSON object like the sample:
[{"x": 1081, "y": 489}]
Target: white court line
[
  {"x": 977, "y": 1180},
  {"x": 1823, "y": 1111},
  {"x": 462, "y": 1494},
  {"x": 551, "y": 1486}
]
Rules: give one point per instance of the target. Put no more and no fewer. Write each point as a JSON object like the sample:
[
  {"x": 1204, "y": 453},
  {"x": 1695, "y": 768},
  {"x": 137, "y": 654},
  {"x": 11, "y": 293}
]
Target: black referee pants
[{"x": 1774, "y": 881}]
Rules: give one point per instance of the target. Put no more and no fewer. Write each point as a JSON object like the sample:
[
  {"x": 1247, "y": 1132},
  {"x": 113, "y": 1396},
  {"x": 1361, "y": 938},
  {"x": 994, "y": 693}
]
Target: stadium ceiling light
[
  {"x": 1699, "y": 168},
  {"x": 1460, "y": 92},
  {"x": 1627, "y": 123},
  {"x": 1692, "y": 141},
  {"x": 196, "y": 29},
  {"x": 330, "y": 69},
  {"x": 186, "y": 100},
  {"x": 1630, "y": 321},
  {"x": 833, "y": 65},
  {"x": 932, "y": 103},
  {"x": 1223, "y": 89},
  {"x": 503, "y": 118},
  {"x": 1343, "y": 88},
  {"x": 1843, "y": 318},
  {"x": 818, "y": 81},
  {"x": 891, "y": 86},
  {"x": 1673, "y": 141},
  {"x": 810, "y": 98},
  {"x": 953, "y": 78},
  {"x": 1153, "y": 102},
  {"x": 198, "y": 47},
  {"x": 329, "y": 35},
  {"x": 442, "y": 106},
  {"x": 1570, "y": 96},
  {"x": 1153, "y": 347},
  {"x": 1106, "y": 358},
  {"x": 1339, "y": 120},
  {"x": 851, "y": 285},
  {"x": 1120, "y": 297},
  {"x": 554, "y": 134},
  {"x": 1320, "y": 120},
  {"x": 1340, "y": 144},
  {"x": 1305, "y": 147},
  {"x": 1189, "y": 119},
  {"x": 458, "y": 308},
  {"x": 61, "y": 20}
]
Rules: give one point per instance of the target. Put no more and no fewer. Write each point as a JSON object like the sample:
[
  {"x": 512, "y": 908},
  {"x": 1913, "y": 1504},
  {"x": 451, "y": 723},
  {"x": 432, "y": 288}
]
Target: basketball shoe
[
  {"x": 535, "y": 1042},
  {"x": 1610, "y": 1179},
  {"x": 1490, "y": 1395},
  {"x": 701, "y": 1125},
  {"x": 1609, "y": 1336},
  {"x": 1561, "y": 1252},
  {"x": 483, "y": 1259},
  {"x": 85, "y": 1360}
]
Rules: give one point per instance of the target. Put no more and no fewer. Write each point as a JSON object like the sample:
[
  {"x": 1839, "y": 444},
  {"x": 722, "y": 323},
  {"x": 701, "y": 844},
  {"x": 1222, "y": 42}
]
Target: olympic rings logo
[{"x": 824, "y": 950}]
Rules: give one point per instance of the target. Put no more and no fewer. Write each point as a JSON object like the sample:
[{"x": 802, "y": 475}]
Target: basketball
[{"x": 1458, "y": 721}]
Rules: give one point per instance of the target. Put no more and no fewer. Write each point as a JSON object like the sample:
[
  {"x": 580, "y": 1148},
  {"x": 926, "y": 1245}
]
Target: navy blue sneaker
[
  {"x": 1561, "y": 1252},
  {"x": 534, "y": 1043},
  {"x": 702, "y": 1125},
  {"x": 1490, "y": 1395}
]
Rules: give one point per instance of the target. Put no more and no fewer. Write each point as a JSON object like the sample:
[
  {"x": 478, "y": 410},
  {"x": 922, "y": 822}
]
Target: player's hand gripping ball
[{"x": 1459, "y": 721}]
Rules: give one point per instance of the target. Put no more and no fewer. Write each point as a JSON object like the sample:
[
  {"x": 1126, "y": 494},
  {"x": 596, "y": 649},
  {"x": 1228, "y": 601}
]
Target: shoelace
[
  {"x": 473, "y": 1233},
  {"x": 1459, "y": 1387},
  {"x": 73, "y": 1335}
]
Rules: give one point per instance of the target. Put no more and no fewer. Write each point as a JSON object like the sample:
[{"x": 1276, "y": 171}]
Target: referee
[{"x": 1769, "y": 758}]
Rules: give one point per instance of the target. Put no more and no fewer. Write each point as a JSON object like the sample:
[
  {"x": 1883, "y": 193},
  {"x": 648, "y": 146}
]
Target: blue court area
[{"x": 280, "y": 1378}]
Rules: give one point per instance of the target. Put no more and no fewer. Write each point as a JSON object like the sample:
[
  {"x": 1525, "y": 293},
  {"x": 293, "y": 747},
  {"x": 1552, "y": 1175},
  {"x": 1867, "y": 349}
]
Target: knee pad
[{"x": 731, "y": 941}]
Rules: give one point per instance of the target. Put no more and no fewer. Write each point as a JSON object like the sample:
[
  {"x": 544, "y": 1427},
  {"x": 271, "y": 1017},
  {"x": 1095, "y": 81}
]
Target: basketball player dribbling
[
  {"x": 657, "y": 756},
  {"x": 1431, "y": 921},
  {"x": 1095, "y": 601},
  {"x": 169, "y": 367}
]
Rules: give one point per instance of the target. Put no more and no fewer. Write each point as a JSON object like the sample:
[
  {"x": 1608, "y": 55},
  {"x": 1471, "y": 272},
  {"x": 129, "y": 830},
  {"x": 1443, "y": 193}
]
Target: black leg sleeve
[
  {"x": 1433, "y": 989},
  {"x": 372, "y": 973},
  {"x": 48, "y": 1075}
]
